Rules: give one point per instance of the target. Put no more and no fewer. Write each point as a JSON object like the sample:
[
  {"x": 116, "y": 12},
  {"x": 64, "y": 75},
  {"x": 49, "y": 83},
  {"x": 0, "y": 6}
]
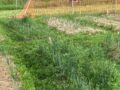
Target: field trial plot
[
  {"x": 70, "y": 27},
  {"x": 103, "y": 21}
]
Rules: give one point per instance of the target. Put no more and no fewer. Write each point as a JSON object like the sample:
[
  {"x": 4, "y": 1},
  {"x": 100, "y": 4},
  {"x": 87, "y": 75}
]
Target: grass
[
  {"x": 5, "y": 47},
  {"x": 79, "y": 9},
  {"x": 11, "y": 4},
  {"x": 9, "y": 13},
  {"x": 49, "y": 59},
  {"x": 10, "y": 7}
]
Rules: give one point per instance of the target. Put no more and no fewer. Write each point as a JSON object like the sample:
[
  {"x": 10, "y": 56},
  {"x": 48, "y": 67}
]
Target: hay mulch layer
[
  {"x": 71, "y": 28},
  {"x": 115, "y": 17},
  {"x": 111, "y": 21}
]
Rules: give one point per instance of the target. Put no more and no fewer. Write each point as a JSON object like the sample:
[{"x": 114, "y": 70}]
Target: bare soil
[{"x": 6, "y": 82}]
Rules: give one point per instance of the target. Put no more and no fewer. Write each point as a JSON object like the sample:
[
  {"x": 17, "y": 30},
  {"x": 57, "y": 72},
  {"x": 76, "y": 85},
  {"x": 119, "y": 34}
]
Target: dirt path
[{"x": 6, "y": 82}]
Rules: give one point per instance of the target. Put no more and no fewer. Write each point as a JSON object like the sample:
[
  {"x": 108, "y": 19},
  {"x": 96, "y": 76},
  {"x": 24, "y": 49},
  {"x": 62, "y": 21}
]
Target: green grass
[
  {"x": 51, "y": 60},
  {"x": 11, "y": 4},
  {"x": 9, "y": 13},
  {"x": 10, "y": 7},
  {"x": 6, "y": 47}
]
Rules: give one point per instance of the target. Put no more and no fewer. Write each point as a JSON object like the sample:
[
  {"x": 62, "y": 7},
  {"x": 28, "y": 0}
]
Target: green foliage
[
  {"x": 112, "y": 47},
  {"x": 24, "y": 30},
  {"x": 57, "y": 61},
  {"x": 11, "y": 4}
]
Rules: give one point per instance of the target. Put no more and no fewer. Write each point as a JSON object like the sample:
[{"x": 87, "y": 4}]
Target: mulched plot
[
  {"x": 71, "y": 28},
  {"x": 112, "y": 21},
  {"x": 106, "y": 22},
  {"x": 115, "y": 17}
]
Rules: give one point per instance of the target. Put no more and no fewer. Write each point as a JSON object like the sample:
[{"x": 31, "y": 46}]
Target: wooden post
[
  {"x": 72, "y": 3},
  {"x": 16, "y": 4},
  {"x": 72, "y": 6},
  {"x": 116, "y": 2},
  {"x": 25, "y": 10}
]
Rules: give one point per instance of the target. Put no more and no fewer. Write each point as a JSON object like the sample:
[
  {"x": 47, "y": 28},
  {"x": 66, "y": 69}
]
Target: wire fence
[{"x": 50, "y": 7}]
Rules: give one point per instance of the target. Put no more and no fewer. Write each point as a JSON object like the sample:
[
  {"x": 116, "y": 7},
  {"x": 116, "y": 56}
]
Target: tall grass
[
  {"x": 11, "y": 4},
  {"x": 61, "y": 62}
]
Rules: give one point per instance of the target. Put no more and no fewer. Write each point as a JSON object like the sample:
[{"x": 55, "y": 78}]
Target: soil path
[{"x": 6, "y": 82}]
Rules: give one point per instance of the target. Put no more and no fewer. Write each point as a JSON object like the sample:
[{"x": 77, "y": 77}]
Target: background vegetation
[{"x": 11, "y": 4}]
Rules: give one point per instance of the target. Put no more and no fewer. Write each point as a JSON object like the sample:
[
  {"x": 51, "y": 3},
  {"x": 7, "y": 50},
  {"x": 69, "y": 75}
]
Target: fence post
[
  {"x": 116, "y": 2},
  {"x": 16, "y": 4},
  {"x": 72, "y": 3}
]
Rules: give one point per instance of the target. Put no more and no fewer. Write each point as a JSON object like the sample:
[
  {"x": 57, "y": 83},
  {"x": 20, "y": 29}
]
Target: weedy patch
[
  {"x": 112, "y": 46},
  {"x": 107, "y": 23},
  {"x": 60, "y": 61},
  {"x": 114, "y": 54},
  {"x": 71, "y": 28},
  {"x": 2, "y": 38},
  {"x": 115, "y": 17}
]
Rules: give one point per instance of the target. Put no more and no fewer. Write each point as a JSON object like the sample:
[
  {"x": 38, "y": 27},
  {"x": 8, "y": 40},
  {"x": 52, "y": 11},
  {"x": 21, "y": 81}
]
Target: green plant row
[{"x": 56, "y": 61}]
